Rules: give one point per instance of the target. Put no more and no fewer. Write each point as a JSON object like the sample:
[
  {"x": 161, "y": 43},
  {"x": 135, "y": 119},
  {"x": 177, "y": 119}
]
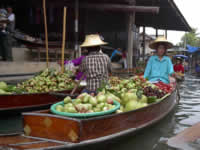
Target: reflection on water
[
  {"x": 154, "y": 138},
  {"x": 10, "y": 124}
]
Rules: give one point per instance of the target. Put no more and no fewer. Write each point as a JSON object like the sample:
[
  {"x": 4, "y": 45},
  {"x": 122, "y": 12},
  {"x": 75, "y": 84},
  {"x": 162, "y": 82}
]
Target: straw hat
[
  {"x": 179, "y": 58},
  {"x": 163, "y": 40},
  {"x": 93, "y": 40}
]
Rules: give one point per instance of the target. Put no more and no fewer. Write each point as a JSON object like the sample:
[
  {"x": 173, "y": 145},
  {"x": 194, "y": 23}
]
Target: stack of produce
[
  {"x": 164, "y": 87},
  {"x": 114, "y": 80},
  {"x": 134, "y": 93},
  {"x": 3, "y": 87},
  {"x": 8, "y": 89},
  {"x": 85, "y": 103},
  {"x": 48, "y": 80}
]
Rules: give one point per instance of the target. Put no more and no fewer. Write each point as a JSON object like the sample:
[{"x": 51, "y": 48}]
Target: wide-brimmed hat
[
  {"x": 179, "y": 58},
  {"x": 160, "y": 40},
  {"x": 93, "y": 40}
]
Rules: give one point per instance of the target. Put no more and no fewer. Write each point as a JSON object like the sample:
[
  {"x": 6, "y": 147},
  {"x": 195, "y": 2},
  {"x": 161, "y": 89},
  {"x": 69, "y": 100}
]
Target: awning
[{"x": 192, "y": 49}]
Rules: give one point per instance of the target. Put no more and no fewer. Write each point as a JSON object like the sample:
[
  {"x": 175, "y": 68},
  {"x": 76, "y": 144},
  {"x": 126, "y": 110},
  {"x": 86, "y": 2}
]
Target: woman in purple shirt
[{"x": 77, "y": 62}]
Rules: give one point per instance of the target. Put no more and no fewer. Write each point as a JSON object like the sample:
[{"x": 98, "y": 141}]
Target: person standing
[
  {"x": 10, "y": 30},
  {"x": 3, "y": 16},
  {"x": 11, "y": 20},
  {"x": 96, "y": 65},
  {"x": 124, "y": 58}
]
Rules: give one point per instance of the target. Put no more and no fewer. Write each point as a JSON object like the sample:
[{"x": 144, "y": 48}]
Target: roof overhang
[{"x": 168, "y": 18}]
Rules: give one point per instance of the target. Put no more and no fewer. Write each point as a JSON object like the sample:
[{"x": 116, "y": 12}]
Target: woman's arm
[
  {"x": 170, "y": 67},
  {"x": 148, "y": 69}
]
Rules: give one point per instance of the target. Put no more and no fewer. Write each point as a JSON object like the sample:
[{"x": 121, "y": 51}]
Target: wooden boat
[
  {"x": 16, "y": 103},
  {"x": 44, "y": 130},
  {"x": 180, "y": 78}
]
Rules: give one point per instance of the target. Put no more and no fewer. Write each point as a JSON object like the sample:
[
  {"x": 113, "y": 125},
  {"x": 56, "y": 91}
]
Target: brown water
[{"x": 186, "y": 114}]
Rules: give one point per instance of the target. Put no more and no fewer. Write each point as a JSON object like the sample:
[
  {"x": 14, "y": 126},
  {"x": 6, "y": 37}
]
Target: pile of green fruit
[
  {"x": 8, "y": 89},
  {"x": 132, "y": 94},
  {"x": 114, "y": 81},
  {"x": 85, "y": 103},
  {"x": 48, "y": 80}
]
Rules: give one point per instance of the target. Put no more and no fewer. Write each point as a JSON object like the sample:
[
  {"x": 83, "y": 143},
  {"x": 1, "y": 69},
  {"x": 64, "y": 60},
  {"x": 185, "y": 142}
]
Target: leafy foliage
[{"x": 192, "y": 38}]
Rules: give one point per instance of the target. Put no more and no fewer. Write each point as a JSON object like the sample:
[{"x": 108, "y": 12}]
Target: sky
[{"x": 190, "y": 10}]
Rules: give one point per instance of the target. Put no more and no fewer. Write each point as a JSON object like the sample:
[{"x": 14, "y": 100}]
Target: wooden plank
[
  {"x": 6, "y": 140},
  {"x": 166, "y": 34},
  {"x": 188, "y": 135},
  {"x": 37, "y": 145},
  {"x": 120, "y": 8},
  {"x": 144, "y": 42},
  {"x": 51, "y": 127}
]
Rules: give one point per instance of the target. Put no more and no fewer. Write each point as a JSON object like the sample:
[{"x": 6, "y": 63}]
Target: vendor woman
[
  {"x": 159, "y": 67},
  {"x": 96, "y": 66}
]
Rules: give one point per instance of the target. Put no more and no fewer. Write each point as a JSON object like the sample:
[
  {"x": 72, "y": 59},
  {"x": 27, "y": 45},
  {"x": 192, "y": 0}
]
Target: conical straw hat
[
  {"x": 163, "y": 40},
  {"x": 93, "y": 40}
]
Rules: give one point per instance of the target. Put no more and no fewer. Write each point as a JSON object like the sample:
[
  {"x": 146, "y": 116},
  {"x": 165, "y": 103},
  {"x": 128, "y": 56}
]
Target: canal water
[{"x": 186, "y": 114}]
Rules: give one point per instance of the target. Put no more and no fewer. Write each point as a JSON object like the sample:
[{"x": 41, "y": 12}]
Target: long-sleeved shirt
[
  {"x": 96, "y": 67},
  {"x": 157, "y": 69}
]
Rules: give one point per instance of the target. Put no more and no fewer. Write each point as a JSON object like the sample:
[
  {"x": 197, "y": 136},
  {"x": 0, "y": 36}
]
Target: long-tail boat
[
  {"x": 44, "y": 130},
  {"x": 16, "y": 103}
]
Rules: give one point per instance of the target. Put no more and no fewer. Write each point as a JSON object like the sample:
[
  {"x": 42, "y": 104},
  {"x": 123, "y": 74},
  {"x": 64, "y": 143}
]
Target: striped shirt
[{"x": 96, "y": 67}]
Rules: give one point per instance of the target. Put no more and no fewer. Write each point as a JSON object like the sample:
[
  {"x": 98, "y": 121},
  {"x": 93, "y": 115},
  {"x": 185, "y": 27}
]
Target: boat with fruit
[
  {"x": 35, "y": 92},
  {"x": 47, "y": 130},
  {"x": 180, "y": 77}
]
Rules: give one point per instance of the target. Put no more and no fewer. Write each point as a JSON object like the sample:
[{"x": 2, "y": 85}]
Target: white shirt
[{"x": 11, "y": 17}]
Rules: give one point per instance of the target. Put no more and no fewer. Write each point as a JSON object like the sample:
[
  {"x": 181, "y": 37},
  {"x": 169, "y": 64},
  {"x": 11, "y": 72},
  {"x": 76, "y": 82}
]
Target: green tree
[{"x": 192, "y": 38}]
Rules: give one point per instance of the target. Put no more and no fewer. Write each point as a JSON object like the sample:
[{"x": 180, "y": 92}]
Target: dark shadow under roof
[{"x": 169, "y": 17}]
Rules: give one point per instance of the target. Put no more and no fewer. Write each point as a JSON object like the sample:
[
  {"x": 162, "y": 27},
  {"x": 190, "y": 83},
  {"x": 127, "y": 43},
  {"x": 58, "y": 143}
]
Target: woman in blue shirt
[{"x": 159, "y": 67}]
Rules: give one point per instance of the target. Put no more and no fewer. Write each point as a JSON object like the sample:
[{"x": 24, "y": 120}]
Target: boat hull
[
  {"x": 16, "y": 103},
  {"x": 66, "y": 133}
]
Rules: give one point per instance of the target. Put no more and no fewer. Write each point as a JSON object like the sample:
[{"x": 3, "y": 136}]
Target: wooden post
[
  {"x": 144, "y": 42},
  {"x": 76, "y": 27},
  {"x": 46, "y": 33},
  {"x": 166, "y": 34},
  {"x": 156, "y": 33},
  {"x": 131, "y": 22},
  {"x": 63, "y": 41},
  {"x": 120, "y": 7}
]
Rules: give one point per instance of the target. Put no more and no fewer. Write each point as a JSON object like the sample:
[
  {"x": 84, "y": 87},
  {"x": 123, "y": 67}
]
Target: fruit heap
[
  {"x": 8, "y": 89},
  {"x": 85, "y": 103},
  {"x": 134, "y": 93},
  {"x": 167, "y": 88},
  {"x": 114, "y": 81},
  {"x": 48, "y": 80},
  {"x": 149, "y": 91},
  {"x": 3, "y": 87}
]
